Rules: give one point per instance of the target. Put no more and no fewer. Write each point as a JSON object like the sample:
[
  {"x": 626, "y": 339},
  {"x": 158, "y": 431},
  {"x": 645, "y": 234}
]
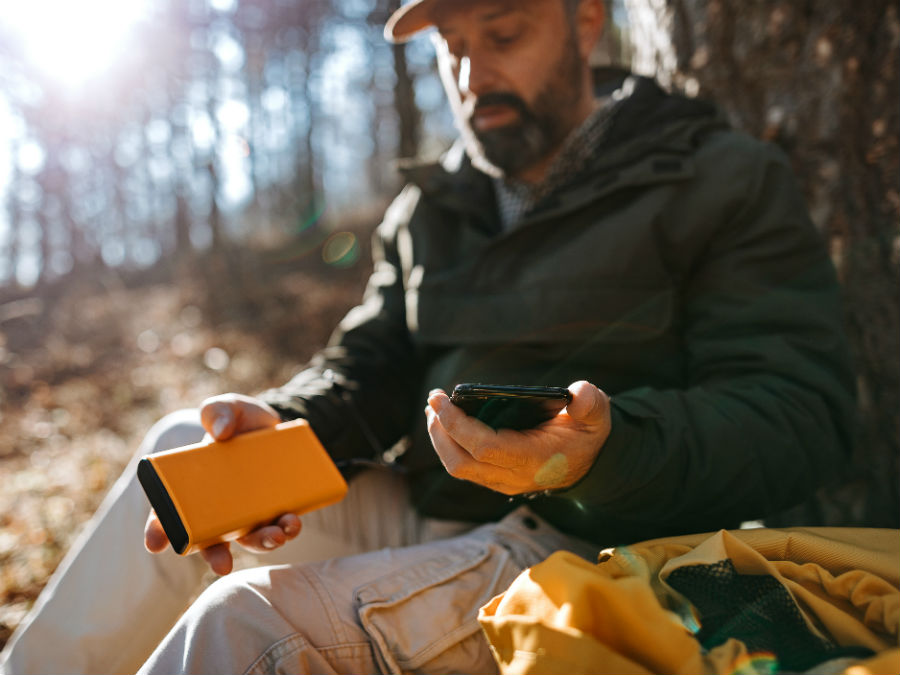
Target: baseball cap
[{"x": 408, "y": 20}]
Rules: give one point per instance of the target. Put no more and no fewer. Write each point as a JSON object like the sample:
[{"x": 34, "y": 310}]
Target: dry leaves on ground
[{"x": 85, "y": 373}]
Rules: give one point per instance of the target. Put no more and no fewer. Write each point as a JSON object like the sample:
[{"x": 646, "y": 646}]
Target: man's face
[{"x": 513, "y": 73}]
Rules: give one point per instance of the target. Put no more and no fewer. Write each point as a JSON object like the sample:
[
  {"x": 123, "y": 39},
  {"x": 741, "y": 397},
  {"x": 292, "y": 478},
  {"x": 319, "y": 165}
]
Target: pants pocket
[{"x": 423, "y": 616}]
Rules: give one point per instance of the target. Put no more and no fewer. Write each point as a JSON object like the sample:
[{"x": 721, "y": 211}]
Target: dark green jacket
[{"x": 681, "y": 275}]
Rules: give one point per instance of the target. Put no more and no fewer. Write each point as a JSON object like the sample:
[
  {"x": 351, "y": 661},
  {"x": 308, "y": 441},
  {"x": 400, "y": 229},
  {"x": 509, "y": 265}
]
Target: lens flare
[
  {"x": 341, "y": 249},
  {"x": 755, "y": 663}
]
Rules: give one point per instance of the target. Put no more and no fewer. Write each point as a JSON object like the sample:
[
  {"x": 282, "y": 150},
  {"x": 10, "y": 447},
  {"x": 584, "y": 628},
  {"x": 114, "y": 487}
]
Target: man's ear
[{"x": 589, "y": 20}]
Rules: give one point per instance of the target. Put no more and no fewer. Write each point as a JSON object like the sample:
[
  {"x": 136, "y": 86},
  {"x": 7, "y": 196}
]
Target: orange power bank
[{"x": 217, "y": 491}]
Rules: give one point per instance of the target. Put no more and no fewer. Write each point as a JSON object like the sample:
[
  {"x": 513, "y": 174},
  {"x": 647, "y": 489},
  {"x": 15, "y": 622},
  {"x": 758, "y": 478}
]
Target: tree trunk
[
  {"x": 821, "y": 80},
  {"x": 405, "y": 103},
  {"x": 409, "y": 118}
]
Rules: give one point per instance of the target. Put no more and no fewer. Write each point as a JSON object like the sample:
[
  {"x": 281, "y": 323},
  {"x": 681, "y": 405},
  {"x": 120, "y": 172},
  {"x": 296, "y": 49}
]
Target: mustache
[{"x": 502, "y": 98}]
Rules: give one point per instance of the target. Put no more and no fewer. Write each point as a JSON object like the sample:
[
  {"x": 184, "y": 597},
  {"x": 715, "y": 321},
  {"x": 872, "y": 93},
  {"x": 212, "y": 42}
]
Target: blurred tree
[
  {"x": 820, "y": 80},
  {"x": 222, "y": 121},
  {"x": 179, "y": 149},
  {"x": 405, "y": 99},
  {"x": 9, "y": 248},
  {"x": 303, "y": 58},
  {"x": 407, "y": 112}
]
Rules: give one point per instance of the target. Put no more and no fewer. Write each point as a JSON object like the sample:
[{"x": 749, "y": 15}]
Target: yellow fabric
[
  {"x": 567, "y": 615},
  {"x": 886, "y": 663}
]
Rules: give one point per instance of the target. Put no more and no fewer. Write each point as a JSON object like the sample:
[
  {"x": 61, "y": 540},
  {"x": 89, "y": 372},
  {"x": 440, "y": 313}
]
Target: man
[{"x": 621, "y": 239}]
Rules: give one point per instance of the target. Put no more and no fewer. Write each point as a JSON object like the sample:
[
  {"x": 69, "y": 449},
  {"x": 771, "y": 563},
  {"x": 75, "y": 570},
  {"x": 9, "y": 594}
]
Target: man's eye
[{"x": 506, "y": 38}]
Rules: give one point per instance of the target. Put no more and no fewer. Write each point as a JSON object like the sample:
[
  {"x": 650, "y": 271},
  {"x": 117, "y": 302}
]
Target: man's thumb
[
  {"x": 589, "y": 404},
  {"x": 218, "y": 419}
]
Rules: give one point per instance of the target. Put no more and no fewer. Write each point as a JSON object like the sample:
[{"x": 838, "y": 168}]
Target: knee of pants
[
  {"x": 267, "y": 619},
  {"x": 178, "y": 428},
  {"x": 242, "y": 607},
  {"x": 237, "y": 593}
]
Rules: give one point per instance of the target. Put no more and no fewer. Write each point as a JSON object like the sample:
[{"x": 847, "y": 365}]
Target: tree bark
[
  {"x": 820, "y": 80},
  {"x": 409, "y": 116},
  {"x": 405, "y": 102}
]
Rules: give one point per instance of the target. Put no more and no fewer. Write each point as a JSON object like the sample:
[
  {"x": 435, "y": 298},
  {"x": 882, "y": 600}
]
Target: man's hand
[
  {"x": 552, "y": 456},
  {"x": 223, "y": 417}
]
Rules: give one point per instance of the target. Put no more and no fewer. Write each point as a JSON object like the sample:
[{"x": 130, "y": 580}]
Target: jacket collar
[{"x": 650, "y": 139}]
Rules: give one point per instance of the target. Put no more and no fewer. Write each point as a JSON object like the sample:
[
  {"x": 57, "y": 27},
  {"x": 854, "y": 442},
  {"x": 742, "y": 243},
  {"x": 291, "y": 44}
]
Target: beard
[{"x": 541, "y": 128}]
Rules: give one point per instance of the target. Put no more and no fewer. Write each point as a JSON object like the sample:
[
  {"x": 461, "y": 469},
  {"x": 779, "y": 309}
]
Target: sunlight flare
[{"x": 72, "y": 42}]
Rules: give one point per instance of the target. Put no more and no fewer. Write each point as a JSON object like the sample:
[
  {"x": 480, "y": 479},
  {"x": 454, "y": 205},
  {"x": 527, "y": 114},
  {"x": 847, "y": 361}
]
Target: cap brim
[{"x": 407, "y": 21}]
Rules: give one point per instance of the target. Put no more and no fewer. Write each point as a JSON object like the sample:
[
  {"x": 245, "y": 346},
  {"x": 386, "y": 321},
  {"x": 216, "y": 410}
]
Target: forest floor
[{"x": 86, "y": 367}]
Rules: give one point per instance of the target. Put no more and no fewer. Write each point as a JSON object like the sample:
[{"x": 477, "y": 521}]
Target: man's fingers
[
  {"x": 219, "y": 419},
  {"x": 290, "y": 524},
  {"x": 459, "y": 463},
  {"x": 272, "y": 536},
  {"x": 453, "y": 456},
  {"x": 229, "y": 414},
  {"x": 155, "y": 539},
  {"x": 478, "y": 439},
  {"x": 552, "y": 455},
  {"x": 218, "y": 557},
  {"x": 266, "y": 538},
  {"x": 589, "y": 405}
]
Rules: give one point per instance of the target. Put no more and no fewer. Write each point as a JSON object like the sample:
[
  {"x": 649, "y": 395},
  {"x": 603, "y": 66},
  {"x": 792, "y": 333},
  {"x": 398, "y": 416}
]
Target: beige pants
[
  {"x": 110, "y": 602},
  {"x": 398, "y": 610}
]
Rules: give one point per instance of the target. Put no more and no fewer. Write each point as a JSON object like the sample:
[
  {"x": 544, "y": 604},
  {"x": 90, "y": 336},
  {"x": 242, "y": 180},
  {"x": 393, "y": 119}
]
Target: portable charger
[{"x": 217, "y": 491}]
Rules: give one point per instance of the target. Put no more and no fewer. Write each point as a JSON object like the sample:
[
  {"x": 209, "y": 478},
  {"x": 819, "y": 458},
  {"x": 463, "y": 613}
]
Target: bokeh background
[{"x": 188, "y": 187}]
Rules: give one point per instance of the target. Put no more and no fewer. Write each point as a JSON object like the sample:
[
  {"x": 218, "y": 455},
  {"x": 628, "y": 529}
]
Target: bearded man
[{"x": 605, "y": 234}]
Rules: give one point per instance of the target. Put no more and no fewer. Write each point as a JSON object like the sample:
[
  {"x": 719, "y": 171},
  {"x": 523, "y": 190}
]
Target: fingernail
[
  {"x": 219, "y": 425},
  {"x": 269, "y": 543},
  {"x": 436, "y": 402}
]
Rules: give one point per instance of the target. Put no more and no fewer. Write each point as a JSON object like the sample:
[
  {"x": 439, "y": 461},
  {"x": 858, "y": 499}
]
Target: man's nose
[{"x": 475, "y": 76}]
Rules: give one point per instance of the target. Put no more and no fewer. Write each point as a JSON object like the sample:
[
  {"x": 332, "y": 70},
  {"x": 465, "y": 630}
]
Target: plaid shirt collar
[{"x": 516, "y": 198}]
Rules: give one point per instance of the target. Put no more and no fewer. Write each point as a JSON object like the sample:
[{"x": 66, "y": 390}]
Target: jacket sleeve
[
  {"x": 356, "y": 392},
  {"x": 768, "y": 413}
]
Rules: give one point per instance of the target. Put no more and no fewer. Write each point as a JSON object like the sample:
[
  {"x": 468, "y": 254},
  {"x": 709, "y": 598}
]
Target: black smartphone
[{"x": 510, "y": 406}]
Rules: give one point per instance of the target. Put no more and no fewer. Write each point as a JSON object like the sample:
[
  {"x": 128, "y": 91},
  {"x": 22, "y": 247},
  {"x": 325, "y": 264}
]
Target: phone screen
[{"x": 510, "y": 406}]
